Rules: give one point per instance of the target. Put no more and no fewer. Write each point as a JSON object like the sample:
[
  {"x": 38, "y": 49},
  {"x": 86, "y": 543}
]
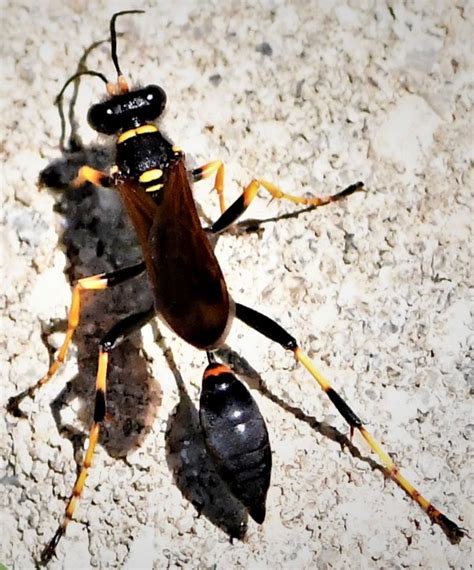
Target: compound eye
[
  {"x": 156, "y": 99},
  {"x": 102, "y": 119}
]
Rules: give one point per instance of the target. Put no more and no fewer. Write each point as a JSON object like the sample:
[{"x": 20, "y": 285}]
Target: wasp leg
[
  {"x": 96, "y": 177},
  {"x": 93, "y": 283},
  {"x": 275, "y": 332},
  {"x": 208, "y": 170},
  {"x": 234, "y": 211},
  {"x": 117, "y": 334}
]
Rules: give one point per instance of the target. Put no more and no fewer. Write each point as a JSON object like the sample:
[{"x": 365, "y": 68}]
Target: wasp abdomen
[{"x": 236, "y": 437}]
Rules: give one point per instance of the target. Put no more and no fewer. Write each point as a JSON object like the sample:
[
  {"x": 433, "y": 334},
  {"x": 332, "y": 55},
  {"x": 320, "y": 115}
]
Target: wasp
[{"x": 190, "y": 294}]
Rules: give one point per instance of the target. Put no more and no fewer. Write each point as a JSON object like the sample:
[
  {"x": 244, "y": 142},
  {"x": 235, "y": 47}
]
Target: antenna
[
  {"x": 113, "y": 36},
  {"x": 73, "y": 141},
  {"x": 74, "y": 77}
]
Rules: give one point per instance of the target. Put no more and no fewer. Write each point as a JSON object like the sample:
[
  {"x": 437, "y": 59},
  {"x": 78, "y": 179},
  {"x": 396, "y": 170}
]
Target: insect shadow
[
  {"x": 96, "y": 243},
  {"x": 96, "y": 239}
]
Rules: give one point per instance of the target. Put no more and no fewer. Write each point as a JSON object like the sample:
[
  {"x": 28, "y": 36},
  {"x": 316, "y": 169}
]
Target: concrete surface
[{"x": 313, "y": 96}]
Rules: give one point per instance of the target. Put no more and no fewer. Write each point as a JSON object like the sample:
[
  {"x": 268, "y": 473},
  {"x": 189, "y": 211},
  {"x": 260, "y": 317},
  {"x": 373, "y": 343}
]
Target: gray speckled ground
[{"x": 378, "y": 288}]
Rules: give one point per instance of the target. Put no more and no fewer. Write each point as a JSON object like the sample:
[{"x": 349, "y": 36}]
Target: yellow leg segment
[
  {"x": 88, "y": 174},
  {"x": 452, "y": 530},
  {"x": 252, "y": 189},
  {"x": 217, "y": 166},
  {"x": 230, "y": 215},
  {"x": 99, "y": 413},
  {"x": 93, "y": 283}
]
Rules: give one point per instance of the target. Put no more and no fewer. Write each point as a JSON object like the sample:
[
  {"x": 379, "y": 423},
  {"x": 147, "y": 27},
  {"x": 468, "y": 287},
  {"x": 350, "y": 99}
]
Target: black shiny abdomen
[
  {"x": 237, "y": 439},
  {"x": 144, "y": 152}
]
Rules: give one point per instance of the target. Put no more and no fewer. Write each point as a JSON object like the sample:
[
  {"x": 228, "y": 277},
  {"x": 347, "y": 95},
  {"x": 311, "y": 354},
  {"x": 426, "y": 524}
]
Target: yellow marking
[
  {"x": 92, "y": 283},
  {"x": 112, "y": 89},
  {"x": 88, "y": 174},
  {"x": 154, "y": 188},
  {"x": 102, "y": 371},
  {"x": 87, "y": 462},
  {"x": 219, "y": 183},
  {"x": 122, "y": 84},
  {"x": 138, "y": 131},
  {"x": 81, "y": 479},
  {"x": 306, "y": 362},
  {"x": 127, "y": 135},
  {"x": 250, "y": 192},
  {"x": 208, "y": 170},
  {"x": 118, "y": 88},
  {"x": 391, "y": 469},
  {"x": 146, "y": 129},
  {"x": 279, "y": 195},
  {"x": 70, "y": 508},
  {"x": 217, "y": 370},
  {"x": 93, "y": 439},
  {"x": 150, "y": 175},
  {"x": 176, "y": 149}
]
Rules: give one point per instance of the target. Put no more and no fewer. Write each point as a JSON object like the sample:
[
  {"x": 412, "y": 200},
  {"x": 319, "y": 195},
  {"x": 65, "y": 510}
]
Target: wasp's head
[
  {"x": 124, "y": 109},
  {"x": 127, "y": 110}
]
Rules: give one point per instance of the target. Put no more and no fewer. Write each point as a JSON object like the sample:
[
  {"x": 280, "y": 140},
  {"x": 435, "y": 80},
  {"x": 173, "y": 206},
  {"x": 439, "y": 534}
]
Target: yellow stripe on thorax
[
  {"x": 138, "y": 131},
  {"x": 150, "y": 175},
  {"x": 154, "y": 188}
]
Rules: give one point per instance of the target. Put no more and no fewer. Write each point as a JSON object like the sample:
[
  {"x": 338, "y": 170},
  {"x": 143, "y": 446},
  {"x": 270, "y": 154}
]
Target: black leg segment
[
  {"x": 266, "y": 326},
  {"x": 124, "y": 328},
  {"x": 124, "y": 274},
  {"x": 231, "y": 215},
  {"x": 275, "y": 332}
]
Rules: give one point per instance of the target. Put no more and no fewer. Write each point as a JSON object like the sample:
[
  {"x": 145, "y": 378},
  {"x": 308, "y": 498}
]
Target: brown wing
[
  {"x": 141, "y": 208},
  {"x": 188, "y": 285}
]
